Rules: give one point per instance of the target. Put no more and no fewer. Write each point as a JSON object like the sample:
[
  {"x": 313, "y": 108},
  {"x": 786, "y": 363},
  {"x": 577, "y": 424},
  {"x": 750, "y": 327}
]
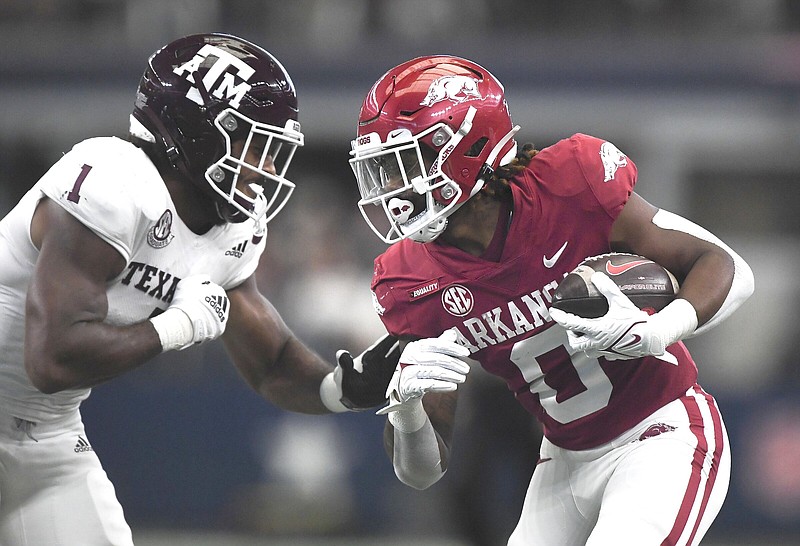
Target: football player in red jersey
[
  {"x": 634, "y": 450},
  {"x": 128, "y": 248}
]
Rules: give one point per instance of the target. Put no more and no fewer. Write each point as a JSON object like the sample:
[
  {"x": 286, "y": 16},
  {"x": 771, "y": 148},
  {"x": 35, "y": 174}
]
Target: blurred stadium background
[{"x": 703, "y": 95}]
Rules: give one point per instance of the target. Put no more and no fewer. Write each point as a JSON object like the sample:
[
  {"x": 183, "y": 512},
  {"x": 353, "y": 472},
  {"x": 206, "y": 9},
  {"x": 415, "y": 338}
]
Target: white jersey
[{"x": 114, "y": 189}]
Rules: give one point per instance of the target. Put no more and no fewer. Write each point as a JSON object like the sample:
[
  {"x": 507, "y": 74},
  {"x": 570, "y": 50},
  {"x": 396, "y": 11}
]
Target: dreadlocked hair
[{"x": 498, "y": 183}]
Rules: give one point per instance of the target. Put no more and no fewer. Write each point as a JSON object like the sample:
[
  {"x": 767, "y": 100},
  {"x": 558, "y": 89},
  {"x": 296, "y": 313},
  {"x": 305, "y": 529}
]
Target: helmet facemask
[
  {"x": 390, "y": 175},
  {"x": 251, "y": 176}
]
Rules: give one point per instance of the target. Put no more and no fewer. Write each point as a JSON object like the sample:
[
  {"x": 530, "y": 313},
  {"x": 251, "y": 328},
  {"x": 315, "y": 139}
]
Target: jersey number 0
[{"x": 587, "y": 390}]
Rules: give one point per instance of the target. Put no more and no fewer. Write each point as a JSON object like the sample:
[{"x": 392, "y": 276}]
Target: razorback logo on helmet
[
  {"x": 612, "y": 160},
  {"x": 218, "y": 80},
  {"x": 454, "y": 88}
]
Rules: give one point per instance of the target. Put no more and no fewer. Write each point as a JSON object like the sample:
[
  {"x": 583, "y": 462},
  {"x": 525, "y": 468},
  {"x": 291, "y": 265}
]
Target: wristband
[
  {"x": 330, "y": 393},
  {"x": 674, "y": 322},
  {"x": 174, "y": 329},
  {"x": 409, "y": 417}
]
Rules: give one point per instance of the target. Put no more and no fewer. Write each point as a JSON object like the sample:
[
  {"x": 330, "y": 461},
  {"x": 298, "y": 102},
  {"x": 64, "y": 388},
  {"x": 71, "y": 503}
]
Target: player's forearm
[
  {"x": 707, "y": 284},
  {"x": 415, "y": 447},
  {"x": 87, "y": 354},
  {"x": 293, "y": 381},
  {"x": 299, "y": 395}
]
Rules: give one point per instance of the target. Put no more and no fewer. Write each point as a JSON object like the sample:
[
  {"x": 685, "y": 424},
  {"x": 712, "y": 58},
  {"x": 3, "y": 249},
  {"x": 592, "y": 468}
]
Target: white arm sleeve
[
  {"x": 743, "y": 281},
  {"x": 417, "y": 462}
]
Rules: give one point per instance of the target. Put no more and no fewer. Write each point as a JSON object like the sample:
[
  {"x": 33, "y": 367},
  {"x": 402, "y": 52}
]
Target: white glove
[
  {"x": 198, "y": 312},
  {"x": 626, "y": 331},
  {"x": 426, "y": 365}
]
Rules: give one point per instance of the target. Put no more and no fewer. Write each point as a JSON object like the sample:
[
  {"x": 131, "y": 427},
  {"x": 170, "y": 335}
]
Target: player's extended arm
[
  {"x": 67, "y": 343},
  {"x": 285, "y": 371},
  {"x": 419, "y": 432}
]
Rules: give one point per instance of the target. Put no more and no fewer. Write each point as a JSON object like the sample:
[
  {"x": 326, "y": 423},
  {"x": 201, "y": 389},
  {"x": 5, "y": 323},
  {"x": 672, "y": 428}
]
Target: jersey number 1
[{"x": 74, "y": 195}]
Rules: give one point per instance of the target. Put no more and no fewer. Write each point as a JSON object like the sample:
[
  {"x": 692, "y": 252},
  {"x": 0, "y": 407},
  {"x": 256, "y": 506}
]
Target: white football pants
[
  {"x": 661, "y": 483},
  {"x": 53, "y": 490}
]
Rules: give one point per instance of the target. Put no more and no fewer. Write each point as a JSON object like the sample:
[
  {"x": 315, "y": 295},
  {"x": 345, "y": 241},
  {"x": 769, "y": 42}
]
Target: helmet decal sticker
[
  {"x": 217, "y": 80},
  {"x": 454, "y": 88}
]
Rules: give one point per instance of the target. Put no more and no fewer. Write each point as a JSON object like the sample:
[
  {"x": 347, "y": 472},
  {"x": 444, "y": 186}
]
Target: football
[{"x": 648, "y": 285}]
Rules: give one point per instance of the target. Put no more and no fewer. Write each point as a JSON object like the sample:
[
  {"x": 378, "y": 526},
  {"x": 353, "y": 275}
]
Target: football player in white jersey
[
  {"x": 128, "y": 248},
  {"x": 634, "y": 451}
]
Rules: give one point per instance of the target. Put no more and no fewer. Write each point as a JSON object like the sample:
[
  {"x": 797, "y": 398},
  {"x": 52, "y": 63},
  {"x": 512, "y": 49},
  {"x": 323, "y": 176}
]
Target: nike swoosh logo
[
  {"x": 550, "y": 262},
  {"x": 636, "y": 339},
  {"x": 612, "y": 269}
]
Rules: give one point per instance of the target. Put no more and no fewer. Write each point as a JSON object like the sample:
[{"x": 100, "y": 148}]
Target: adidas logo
[
  {"x": 238, "y": 250},
  {"x": 82, "y": 445},
  {"x": 219, "y": 304}
]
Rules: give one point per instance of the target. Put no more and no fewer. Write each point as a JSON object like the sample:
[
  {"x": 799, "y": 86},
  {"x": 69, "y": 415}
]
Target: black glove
[{"x": 366, "y": 377}]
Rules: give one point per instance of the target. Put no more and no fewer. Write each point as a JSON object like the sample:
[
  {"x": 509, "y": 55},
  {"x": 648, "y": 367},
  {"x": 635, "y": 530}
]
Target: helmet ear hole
[{"x": 477, "y": 147}]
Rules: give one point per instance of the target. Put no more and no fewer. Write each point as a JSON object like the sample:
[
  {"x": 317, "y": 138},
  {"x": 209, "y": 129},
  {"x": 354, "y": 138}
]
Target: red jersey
[{"x": 565, "y": 203}]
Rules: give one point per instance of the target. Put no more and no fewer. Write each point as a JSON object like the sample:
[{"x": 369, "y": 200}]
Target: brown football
[{"x": 648, "y": 285}]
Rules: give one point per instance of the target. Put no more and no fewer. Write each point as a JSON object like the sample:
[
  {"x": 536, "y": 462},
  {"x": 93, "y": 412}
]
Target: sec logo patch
[{"x": 457, "y": 300}]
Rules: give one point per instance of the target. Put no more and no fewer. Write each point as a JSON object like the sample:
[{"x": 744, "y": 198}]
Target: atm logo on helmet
[{"x": 219, "y": 80}]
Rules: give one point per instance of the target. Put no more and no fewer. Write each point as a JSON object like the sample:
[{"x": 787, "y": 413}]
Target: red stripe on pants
[{"x": 697, "y": 426}]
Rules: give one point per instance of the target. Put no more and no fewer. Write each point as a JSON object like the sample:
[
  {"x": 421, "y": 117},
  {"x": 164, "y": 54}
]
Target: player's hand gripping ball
[{"x": 648, "y": 285}]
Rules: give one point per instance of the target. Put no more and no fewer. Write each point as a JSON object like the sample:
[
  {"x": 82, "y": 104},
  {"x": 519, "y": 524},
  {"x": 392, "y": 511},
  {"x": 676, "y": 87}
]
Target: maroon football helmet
[
  {"x": 429, "y": 132},
  {"x": 223, "y": 112}
]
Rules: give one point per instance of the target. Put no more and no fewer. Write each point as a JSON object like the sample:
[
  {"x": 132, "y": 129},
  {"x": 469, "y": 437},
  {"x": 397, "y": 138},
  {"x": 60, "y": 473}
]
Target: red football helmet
[
  {"x": 429, "y": 132},
  {"x": 221, "y": 111}
]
